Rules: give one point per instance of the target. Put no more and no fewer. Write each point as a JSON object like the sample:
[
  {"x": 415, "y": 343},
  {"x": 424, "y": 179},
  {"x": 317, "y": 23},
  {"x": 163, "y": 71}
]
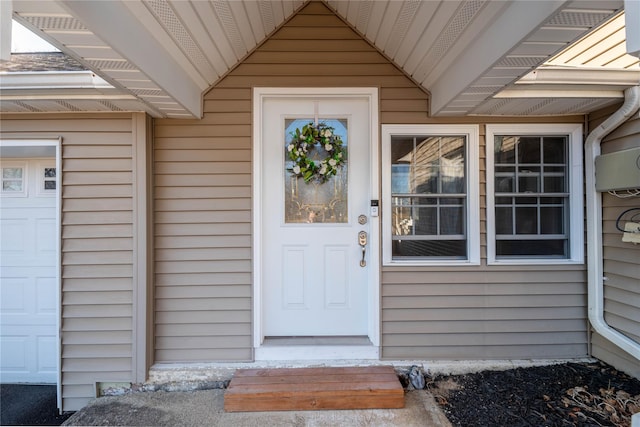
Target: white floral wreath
[{"x": 305, "y": 140}]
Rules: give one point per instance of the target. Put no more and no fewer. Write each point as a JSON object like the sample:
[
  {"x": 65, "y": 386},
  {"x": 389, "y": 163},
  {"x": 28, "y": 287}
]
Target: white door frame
[
  {"x": 34, "y": 144},
  {"x": 259, "y": 96}
]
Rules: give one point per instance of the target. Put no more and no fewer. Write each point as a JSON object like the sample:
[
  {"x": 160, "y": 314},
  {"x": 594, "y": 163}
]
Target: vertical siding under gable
[
  {"x": 621, "y": 259},
  {"x": 203, "y": 224},
  {"x": 97, "y": 246}
]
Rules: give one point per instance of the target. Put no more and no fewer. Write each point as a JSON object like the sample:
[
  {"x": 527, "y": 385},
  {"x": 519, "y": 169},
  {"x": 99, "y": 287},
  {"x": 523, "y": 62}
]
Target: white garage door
[{"x": 28, "y": 271}]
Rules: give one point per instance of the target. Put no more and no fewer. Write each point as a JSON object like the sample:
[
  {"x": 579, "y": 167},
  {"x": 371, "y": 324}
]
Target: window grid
[
  {"x": 430, "y": 156},
  {"x": 438, "y": 206},
  {"x": 49, "y": 179},
  {"x": 13, "y": 179},
  {"x": 539, "y": 205},
  {"x": 535, "y": 197}
]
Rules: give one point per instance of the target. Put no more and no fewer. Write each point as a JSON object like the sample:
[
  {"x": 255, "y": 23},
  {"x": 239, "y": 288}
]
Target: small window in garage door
[
  {"x": 14, "y": 179},
  {"x": 46, "y": 179}
]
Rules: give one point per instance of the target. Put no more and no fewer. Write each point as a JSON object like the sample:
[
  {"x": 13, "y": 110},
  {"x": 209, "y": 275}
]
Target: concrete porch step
[{"x": 290, "y": 389}]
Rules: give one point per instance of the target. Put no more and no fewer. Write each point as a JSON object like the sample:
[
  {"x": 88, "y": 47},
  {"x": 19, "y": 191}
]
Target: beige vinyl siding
[
  {"x": 97, "y": 245},
  {"x": 484, "y": 313},
  {"x": 203, "y": 184},
  {"x": 203, "y": 224},
  {"x": 621, "y": 259},
  {"x": 203, "y": 235}
]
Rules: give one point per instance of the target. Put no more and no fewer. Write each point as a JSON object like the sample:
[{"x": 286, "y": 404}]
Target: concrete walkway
[{"x": 205, "y": 408}]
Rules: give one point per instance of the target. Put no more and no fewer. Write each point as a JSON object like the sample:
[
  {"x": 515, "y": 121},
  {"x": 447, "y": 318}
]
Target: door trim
[
  {"x": 35, "y": 144},
  {"x": 260, "y": 94}
]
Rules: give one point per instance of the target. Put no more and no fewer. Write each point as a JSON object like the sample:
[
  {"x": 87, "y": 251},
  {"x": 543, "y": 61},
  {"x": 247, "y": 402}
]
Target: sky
[{"x": 23, "y": 40}]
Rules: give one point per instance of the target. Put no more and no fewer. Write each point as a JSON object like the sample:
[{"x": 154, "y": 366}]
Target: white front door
[
  {"x": 315, "y": 279},
  {"x": 28, "y": 271}
]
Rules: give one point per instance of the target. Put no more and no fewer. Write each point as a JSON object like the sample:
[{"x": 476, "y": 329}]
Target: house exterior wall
[
  {"x": 621, "y": 259},
  {"x": 203, "y": 225},
  {"x": 98, "y": 244}
]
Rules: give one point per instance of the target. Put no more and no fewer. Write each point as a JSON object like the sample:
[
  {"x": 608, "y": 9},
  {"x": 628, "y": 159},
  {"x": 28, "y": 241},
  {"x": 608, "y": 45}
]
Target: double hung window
[
  {"x": 430, "y": 199},
  {"x": 534, "y": 188}
]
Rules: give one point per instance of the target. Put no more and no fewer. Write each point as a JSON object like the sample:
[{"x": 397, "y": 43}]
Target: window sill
[
  {"x": 540, "y": 261},
  {"x": 429, "y": 263}
]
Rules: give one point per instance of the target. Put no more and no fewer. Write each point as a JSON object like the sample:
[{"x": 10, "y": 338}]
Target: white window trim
[
  {"x": 40, "y": 178},
  {"x": 575, "y": 174},
  {"x": 473, "y": 191},
  {"x": 25, "y": 178}
]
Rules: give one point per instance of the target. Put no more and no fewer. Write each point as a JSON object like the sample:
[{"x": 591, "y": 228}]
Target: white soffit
[
  {"x": 593, "y": 71},
  {"x": 568, "y": 23},
  {"x": 169, "y": 52},
  {"x": 165, "y": 52},
  {"x": 602, "y": 48},
  {"x": 544, "y": 106},
  {"x": 63, "y": 91}
]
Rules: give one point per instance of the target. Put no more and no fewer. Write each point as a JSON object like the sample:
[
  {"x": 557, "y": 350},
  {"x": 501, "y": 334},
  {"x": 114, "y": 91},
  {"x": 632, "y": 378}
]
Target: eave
[
  {"x": 62, "y": 91},
  {"x": 53, "y": 80},
  {"x": 464, "y": 53}
]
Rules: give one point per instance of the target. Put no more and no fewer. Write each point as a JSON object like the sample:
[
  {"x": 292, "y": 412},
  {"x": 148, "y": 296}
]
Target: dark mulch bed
[{"x": 572, "y": 394}]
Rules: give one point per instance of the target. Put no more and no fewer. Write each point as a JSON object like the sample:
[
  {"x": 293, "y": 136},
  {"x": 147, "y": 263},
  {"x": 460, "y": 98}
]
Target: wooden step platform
[{"x": 295, "y": 389}]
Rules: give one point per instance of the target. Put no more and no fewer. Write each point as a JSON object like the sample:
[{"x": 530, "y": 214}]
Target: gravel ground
[{"x": 572, "y": 394}]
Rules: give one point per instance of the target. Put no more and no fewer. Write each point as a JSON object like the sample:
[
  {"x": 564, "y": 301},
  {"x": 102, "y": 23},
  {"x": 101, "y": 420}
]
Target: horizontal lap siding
[
  {"x": 203, "y": 182},
  {"x": 202, "y": 232},
  {"x": 484, "y": 313},
  {"x": 97, "y": 246},
  {"x": 97, "y": 260},
  {"x": 621, "y": 263}
]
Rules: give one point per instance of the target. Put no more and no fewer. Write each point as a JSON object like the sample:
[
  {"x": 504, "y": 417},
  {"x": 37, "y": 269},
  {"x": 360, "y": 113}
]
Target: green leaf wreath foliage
[{"x": 321, "y": 139}]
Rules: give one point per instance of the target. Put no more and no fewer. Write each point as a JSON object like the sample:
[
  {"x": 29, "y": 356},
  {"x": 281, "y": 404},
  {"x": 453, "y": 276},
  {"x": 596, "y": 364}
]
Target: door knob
[{"x": 362, "y": 241}]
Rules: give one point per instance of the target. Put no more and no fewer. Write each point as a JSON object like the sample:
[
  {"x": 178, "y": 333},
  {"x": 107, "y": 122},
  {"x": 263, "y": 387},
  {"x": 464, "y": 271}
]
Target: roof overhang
[
  {"x": 54, "y": 80},
  {"x": 467, "y": 54},
  {"x": 558, "y": 82},
  {"x": 63, "y": 91}
]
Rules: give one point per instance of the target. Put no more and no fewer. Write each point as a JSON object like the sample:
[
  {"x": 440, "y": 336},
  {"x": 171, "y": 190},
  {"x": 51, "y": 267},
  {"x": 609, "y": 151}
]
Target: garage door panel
[
  {"x": 29, "y": 237},
  {"x": 14, "y": 236},
  {"x": 46, "y": 295},
  {"x": 28, "y": 358},
  {"x": 28, "y": 324},
  {"x": 28, "y": 282},
  {"x": 14, "y": 353},
  {"x": 47, "y": 349},
  {"x": 26, "y": 261},
  {"x": 13, "y": 295},
  {"x": 45, "y": 239}
]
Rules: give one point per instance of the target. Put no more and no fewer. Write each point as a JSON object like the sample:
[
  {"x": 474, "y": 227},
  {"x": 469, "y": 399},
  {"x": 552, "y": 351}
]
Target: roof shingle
[{"x": 36, "y": 62}]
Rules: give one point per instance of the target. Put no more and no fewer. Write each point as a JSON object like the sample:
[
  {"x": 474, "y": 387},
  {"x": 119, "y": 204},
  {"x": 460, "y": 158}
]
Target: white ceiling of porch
[{"x": 169, "y": 52}]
